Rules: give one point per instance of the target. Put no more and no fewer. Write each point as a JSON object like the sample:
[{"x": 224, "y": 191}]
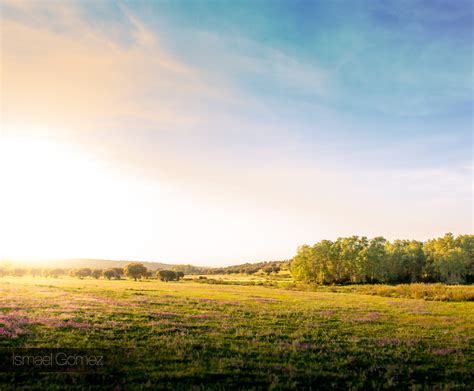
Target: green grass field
[{"x": 213, "y": 336}]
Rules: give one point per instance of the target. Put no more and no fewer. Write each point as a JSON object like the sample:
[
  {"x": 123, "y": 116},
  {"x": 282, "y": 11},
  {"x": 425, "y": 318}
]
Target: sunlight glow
[
  {"x": 147, "y": 131},
  {"x": 56, "y": 200}
]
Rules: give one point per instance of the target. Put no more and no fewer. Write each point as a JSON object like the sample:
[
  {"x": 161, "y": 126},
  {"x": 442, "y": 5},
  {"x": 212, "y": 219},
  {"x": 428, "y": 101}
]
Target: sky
[{"x": 217, "y": 133}]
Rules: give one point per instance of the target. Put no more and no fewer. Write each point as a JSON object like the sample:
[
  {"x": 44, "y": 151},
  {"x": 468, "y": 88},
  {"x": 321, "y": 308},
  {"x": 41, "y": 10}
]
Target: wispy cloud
[{"x": 263, "y": 65}]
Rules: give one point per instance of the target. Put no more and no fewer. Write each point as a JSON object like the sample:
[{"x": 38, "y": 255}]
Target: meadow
[{"x": 186, "y": 334}]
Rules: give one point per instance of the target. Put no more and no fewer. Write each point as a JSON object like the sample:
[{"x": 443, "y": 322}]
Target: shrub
[{"x": 83, "y": 272}]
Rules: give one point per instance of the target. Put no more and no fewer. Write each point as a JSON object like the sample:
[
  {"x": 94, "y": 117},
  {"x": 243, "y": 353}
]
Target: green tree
[
  {"x": 327, "y": 264},
  {"x": 167, "y": 275},
  {"x": 303, "y": 265},
  {"x": 376, "y": 260},
  {"x": 35, "y": 272},
  {"x": 118, "y": 272},
  {"x": 109, "y": 274},
  {"x": 359, "y": 260},
  {"x": 135, "y": 270},
  {"x": 349, "y": 259},
  {"x": 447, "y": 261},
  {"x": 466, "y": 245},
  {"x": 405, "y": 261},
  {"x": 83, "y": 272},
  {"x": 55, "y": 273}
]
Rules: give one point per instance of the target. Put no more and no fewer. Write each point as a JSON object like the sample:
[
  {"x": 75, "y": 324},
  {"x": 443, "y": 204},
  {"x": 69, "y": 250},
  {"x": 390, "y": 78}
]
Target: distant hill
[
  {"x": 106, "y": 264},
  {"x": 77, "y": 263}
]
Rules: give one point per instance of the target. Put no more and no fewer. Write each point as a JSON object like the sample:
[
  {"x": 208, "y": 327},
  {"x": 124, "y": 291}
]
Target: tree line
[
  {"x": 359, "y": 260},
  {"x": 266, "y": 267},
  {"x": 134, "y": 270}
]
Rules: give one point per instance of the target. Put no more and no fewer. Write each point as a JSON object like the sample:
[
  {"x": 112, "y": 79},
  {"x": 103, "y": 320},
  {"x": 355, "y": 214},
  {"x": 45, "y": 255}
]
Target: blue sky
[
  {"x": 286, "y": 122},
  {"x": 335, "y": 72}
]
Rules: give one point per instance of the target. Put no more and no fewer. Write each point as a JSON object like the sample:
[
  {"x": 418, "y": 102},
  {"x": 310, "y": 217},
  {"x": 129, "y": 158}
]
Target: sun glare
[
  {"x": 58, "y": 202},
  {"x": 54, "y": 201}
]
